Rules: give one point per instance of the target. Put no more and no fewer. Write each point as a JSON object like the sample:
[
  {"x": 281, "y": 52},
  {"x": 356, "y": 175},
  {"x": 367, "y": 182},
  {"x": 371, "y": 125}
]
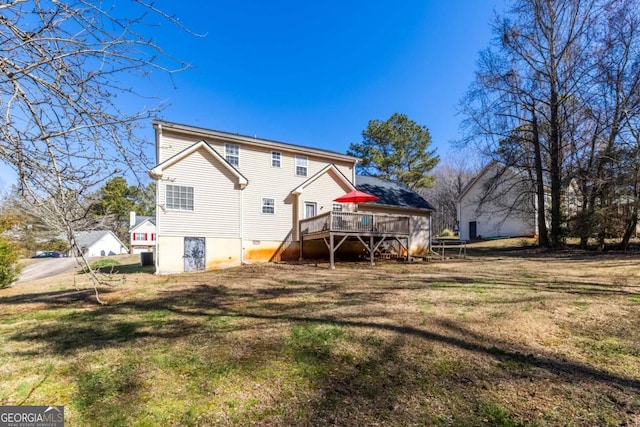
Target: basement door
[{"x": 194, "y": 254}]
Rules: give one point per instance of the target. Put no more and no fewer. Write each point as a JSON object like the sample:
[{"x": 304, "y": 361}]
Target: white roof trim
[
  {"x": 298, "y": 190},
  {"x": 158, "y": 171}
]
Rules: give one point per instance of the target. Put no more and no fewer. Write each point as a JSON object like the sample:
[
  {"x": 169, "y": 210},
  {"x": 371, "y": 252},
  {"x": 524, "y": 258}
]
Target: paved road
[{"x": 46, "y": 267}]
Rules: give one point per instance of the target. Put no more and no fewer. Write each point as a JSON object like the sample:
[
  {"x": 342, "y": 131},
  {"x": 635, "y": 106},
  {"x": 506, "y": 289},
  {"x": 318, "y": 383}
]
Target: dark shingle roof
[{"x": 391, "y": 193}]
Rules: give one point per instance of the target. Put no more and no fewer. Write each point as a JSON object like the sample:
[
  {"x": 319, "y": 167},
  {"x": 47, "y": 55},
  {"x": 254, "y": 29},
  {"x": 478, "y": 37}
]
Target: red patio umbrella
[{"x": 356, "y": 197}]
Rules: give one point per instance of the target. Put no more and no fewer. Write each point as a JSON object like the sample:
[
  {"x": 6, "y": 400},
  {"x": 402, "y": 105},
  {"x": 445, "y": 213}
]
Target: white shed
[{"x": 98, "y": 243}]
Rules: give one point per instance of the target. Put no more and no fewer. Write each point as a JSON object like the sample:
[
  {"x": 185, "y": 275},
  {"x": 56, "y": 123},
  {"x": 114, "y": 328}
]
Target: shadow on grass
[
  {"x": 102, "y": 326},
  {"x": 562, "y": 253},
  {"x": 56, "y": 298},
  {"x": 125, "y": 269},
  {"x": 371, "y": 389}
]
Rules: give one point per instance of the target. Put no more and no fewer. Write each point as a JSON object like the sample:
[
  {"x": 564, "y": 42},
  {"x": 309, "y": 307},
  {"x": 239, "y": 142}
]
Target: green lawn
[{"x": 509, "y": 339}]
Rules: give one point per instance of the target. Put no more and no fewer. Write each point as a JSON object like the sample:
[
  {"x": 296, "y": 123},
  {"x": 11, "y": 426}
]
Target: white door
[{"x": 310, "y": 209}]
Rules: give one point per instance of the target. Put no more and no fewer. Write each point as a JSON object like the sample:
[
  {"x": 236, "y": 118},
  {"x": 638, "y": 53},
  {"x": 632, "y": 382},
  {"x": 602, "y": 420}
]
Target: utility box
[{"x": 146, "y": 258}]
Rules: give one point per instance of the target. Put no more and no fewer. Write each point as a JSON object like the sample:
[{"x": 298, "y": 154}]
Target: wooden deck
[{"x": 370, "y": 229}]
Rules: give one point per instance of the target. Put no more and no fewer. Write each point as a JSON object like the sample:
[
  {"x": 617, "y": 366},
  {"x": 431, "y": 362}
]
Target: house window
[
  {"x": 336, "y": 207},
  {"x": 275, "y": 159},
  {"x": 139, "y": 236},
  {"x": 179, "y": 197},
  {"x": 310, "y": 209},
  {"x": 268, "y": 206},
  {"x": 301, "y": 166},
  {"x": 232, "y": 154}
]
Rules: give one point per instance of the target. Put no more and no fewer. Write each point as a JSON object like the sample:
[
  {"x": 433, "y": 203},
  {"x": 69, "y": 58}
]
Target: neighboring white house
[
  {"x": 142, "y": 233},
  {"x": 224, "y": 199},
  {"x": 499, "y": 202},
  {"x": 99, "y": 243}
]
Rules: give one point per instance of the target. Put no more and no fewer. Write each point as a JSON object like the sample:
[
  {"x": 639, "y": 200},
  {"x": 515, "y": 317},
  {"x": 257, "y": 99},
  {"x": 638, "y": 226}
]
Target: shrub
[
  {"x": 104, "y": 264},
  {"x": 57, "y": 245},
  {"x": 447, "y": 233},
  {"x": 9, "y": 270}
]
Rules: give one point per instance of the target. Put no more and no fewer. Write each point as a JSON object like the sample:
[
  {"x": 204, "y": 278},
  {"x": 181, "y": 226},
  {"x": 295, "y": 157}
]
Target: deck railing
[{"x": 355, "y": 222}]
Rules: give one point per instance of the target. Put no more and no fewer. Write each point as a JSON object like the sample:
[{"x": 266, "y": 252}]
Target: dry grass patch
[{"x": 511, "y": 339}]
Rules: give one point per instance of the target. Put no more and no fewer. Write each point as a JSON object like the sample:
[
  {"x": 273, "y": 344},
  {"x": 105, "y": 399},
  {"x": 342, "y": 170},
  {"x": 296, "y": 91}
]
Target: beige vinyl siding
[
  {"x": 172, "y": 144},
  {"x": 323, "y": 191},
  {"x": 258, "y": 163},
  {"x": 216, "y": 199},
  {"x": 275, "y": 183},
  {"x": 264, "y": 181}
]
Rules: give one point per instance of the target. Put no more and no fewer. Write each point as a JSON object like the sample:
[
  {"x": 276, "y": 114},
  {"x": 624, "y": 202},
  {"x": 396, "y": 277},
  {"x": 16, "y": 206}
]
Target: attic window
[
  {"x": 232, "y": 154},
  {"x": 301, "y": 166},
  {"x": 276, "y": 159}
]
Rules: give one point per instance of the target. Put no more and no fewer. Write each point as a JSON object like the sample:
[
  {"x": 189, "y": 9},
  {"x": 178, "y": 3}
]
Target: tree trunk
[
  {"x": 556, "y": 180},
  {"x": 543, "y": 234},
  {"x": 632, "y": 223}
]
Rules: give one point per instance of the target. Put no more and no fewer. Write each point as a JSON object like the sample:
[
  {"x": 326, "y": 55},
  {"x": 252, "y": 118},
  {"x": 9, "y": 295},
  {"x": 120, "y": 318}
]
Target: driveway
[{"x": 46, "y": 267}]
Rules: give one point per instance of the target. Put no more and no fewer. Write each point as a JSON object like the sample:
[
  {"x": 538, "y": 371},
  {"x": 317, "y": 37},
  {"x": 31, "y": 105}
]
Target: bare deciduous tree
[
  {"x": 525, "y": 88},
  {"x": 605, "y": 154},
  {"x": 65, "y": 68},
  {"x": 450, "y": 179}
]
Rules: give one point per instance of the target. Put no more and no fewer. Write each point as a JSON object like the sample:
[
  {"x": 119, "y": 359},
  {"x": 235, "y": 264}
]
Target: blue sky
[{"x": 315, "y": 72}]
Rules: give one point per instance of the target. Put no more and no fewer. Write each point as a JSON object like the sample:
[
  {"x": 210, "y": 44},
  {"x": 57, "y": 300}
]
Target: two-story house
[
  {"x": 224, "y": 199},
  {"x": 142, "y": 233}
]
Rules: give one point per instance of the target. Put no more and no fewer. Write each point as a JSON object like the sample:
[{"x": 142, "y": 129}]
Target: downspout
[
  {"x": 242, "y": 260},
  {"x": 353, "y": 173},
  {"x": 157, "y": 252},
  {"x": 430, "y": 232}
]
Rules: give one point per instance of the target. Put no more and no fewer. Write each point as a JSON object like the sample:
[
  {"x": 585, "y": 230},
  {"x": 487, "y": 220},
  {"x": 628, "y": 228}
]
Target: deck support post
[
  {"x": 332, "y": 264},
  {"x": 371, "y": 250},
  {"x": 301, "y": 244}
]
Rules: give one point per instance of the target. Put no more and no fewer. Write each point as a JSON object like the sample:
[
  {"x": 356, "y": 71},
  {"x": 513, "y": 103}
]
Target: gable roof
[
  {"x": 477, "y": 178},
  {"x": 158, "y": 170},
  {"x": 250, "y": 140},
  {"x": 391, "y": 193},
  {"x": 85, "y": 239},
  {"x": 517, "y": 171},
  {"x": 141, "y": 220},
  {"x": 298, "y": 190}
]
